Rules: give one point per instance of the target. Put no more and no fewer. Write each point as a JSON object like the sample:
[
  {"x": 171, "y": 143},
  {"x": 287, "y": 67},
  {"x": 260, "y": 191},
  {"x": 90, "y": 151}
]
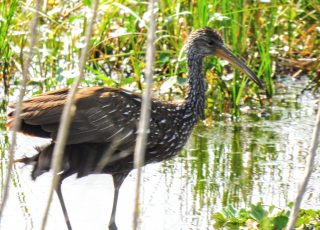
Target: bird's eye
[{"x": 211, "y": 43}]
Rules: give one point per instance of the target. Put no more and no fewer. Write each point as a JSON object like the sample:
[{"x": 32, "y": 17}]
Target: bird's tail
[
  {"x": 41, "y": 161},
  {"x": 27, "y": 160},
  {"x": 80, "y": 158}
]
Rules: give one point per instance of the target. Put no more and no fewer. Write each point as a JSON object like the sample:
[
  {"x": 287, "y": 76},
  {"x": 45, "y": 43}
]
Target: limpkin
[{"x": 106, "y": 116}]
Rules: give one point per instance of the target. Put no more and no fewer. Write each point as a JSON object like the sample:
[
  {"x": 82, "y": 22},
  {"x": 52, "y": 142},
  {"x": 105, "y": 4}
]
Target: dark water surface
[{"x": 261, "y": 157}]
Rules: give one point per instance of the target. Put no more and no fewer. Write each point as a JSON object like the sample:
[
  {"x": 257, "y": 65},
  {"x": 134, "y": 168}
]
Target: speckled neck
[{"x": 195, "y": 100}]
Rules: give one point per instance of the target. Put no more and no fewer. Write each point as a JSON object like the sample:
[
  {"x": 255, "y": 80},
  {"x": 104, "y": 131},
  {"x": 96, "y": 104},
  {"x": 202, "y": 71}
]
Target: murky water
[{"x": 258, "y": 158}]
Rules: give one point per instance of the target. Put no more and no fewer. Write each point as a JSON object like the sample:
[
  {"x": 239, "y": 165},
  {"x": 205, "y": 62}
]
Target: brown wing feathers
[
  {"x": 100, "y": 115},
  {"x": 44, "y": 108}
]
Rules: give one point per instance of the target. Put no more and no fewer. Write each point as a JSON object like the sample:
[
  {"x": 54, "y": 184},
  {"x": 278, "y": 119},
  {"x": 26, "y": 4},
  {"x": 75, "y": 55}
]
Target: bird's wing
[
  {"x": 43, "y": 109},
  {"x": 103, "y": 115},
  {"x": 111, "y": 116}
]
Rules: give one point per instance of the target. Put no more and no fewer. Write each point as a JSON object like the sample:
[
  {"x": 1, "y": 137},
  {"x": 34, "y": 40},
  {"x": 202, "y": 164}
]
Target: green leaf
[
  {"x": 257, "y": 212},
  {"x": 70, "y": 80},
  {"x": 87, "y": 2},
  {"x": 164, "y": 59},
  {"x": 229, "y": 211},
  {"x": 266, "y": 223},
  {"x": 243, "y": 214},
  {"x": 280, "y": 222},
  {"x": 219, "y": 218},
  {"x": 126, "y": 81},
  {"x": 182, "y": 80}
]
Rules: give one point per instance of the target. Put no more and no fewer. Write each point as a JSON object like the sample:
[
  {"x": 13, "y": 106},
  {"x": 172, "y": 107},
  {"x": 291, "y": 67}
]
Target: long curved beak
[{"x": 226, "y": 54}]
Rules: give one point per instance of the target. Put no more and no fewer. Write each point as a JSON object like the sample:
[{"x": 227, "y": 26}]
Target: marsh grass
[
  {"x": 258, "y": 32},
  {"x": 7, "y": 19}
]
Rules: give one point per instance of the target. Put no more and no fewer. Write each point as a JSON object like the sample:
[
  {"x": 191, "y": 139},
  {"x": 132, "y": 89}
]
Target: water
[{"x": 261, "y": 157}]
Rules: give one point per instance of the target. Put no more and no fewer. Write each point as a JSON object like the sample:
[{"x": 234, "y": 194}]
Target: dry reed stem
[
  {"x": 67, "y": 115},
  {"x": 307, "y": 173},
  {"x": 18, "y": 106},
  {"x": 140, "y": 146}
]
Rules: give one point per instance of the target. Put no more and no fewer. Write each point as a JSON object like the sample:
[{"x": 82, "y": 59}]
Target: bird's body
[
  {"x": 103, "y": 131},
  {"x": 103, "y": 122}
]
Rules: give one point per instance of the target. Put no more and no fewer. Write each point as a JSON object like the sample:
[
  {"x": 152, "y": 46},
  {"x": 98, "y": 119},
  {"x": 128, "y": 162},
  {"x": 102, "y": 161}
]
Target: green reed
[
  {"x": 7, "y": 20},
  {"x": 7, "y": 12}
]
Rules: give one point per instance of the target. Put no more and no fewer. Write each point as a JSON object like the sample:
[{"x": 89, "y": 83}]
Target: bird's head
[{"x": 206, "y": 42}]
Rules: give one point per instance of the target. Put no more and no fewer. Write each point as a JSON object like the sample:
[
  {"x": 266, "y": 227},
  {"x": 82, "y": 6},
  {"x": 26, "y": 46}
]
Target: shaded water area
[{"x": 260, "y": 157}]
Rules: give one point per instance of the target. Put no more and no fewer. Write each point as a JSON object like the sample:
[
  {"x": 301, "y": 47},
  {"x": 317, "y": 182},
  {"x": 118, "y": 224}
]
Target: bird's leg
[
  {"x": 117, "y": 182},
  {"x": 63, "y": 206}
]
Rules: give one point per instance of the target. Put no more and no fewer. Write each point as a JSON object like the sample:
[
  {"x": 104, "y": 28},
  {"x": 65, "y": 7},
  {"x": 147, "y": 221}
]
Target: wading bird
[{"x": 105, "y": 122}]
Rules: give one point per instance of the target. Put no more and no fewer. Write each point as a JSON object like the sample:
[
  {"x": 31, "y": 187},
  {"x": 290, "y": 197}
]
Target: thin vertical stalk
[
  {"x": 307, "y": 173},
  {"x": 140, "y": 146},
  {"x": 18, "y": 107},
  {"x": 67, "y": 115}
]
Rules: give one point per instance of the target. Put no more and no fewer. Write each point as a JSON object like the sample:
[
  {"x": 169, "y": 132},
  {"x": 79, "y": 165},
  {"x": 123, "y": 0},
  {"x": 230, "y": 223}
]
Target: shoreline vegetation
[{"x": 275, "y": 38}]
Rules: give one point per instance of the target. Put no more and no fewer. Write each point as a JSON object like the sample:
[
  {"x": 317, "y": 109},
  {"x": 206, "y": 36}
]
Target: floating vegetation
[{"x": 266, "y": 218}]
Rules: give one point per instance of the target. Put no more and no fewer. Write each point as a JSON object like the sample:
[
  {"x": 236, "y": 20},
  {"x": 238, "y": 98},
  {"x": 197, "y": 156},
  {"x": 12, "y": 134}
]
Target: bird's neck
[{"x": 195, "y": 100}]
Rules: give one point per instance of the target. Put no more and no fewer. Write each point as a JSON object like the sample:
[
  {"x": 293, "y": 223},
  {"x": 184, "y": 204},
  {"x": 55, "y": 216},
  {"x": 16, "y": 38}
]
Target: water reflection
[{"x": 257, "y": 158}]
